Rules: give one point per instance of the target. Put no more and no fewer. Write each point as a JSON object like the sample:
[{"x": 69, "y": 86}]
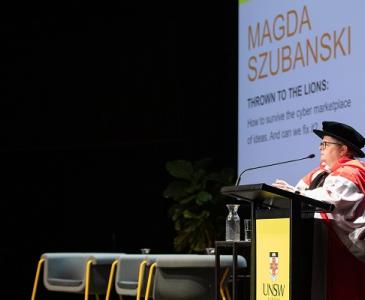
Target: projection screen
[{"x": 300, "y": 63}]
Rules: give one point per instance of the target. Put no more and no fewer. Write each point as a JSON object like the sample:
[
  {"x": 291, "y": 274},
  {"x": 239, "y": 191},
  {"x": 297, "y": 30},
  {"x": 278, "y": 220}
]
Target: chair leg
[
  {"x": 36, "y": 279},
  {"x": 140, "y": 278},
  {"x": 221, "y": 284},
  {"x": 87, "y": 278},
  {"x": 149, "y": 282},
  {"x": 227, "y": 291},
  {"x": 111, "y": 276}
]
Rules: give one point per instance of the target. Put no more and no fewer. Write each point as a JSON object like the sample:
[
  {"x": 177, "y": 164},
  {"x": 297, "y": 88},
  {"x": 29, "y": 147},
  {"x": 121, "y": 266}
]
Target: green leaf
[
  {"x": 224, "y": 176},
  {"x": 204, "y": 164},
  {"x": 175, "y": 212},
  {"x": 176, "y": 190},
  {"x": 187, "y": 199},
  {"x": 181, "y": 169},
  {"x": 198, "y": 178},
  {"x": 203, "y": 197},
  {"x": 188, "y": 214}
]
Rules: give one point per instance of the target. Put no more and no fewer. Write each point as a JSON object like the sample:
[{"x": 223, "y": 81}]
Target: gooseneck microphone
[{"x": 274, "y": 164}]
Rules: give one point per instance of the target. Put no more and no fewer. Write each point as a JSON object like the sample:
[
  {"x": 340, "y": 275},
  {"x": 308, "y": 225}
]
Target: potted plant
[{"x": 197, "y": 208}]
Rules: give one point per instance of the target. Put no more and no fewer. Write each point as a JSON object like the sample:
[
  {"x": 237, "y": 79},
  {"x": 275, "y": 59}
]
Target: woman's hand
[{"x": 281, "y": 184}]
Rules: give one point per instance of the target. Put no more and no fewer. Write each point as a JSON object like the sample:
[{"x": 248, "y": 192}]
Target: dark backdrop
[{"x": 92, "y": 106}]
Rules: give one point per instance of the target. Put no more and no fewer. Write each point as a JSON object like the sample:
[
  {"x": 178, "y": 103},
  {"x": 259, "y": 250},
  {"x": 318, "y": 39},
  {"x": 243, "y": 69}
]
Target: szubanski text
[{"x": 314, "y": 49}]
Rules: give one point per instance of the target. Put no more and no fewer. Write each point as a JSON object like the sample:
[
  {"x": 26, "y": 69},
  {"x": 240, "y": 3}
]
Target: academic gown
[{"x": 339, "y": 237}]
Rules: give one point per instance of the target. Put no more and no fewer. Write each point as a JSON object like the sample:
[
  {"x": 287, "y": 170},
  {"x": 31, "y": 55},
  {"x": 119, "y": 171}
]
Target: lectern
[{"x": 282, "y": 241}]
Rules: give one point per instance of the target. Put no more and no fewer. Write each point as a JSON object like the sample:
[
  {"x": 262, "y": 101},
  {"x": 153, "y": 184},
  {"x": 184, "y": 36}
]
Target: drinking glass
[{"x": 247, "y": 225}]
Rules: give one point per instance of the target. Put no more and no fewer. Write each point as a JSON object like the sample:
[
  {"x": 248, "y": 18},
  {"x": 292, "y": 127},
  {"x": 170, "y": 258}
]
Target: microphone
[{"x": 274, "y": 164}]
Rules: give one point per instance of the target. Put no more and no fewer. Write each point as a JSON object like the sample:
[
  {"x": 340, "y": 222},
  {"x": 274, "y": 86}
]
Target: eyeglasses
[{"x": 324, "y": 144}]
